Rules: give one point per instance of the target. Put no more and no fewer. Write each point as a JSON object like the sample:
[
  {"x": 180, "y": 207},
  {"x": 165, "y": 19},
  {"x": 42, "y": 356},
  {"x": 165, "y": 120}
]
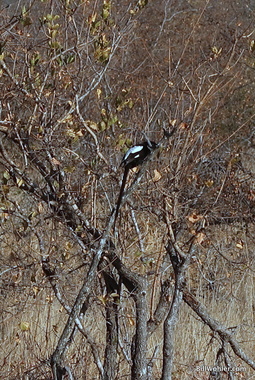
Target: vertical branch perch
[
  {"x": 179, "y": 265},
  {"x": 58, "y": 368}
]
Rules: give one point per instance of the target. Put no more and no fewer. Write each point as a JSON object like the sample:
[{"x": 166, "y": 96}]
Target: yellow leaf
[
  {"x": 36, "y": 290},
  {"x": 6, "y": 176},
  {"x": 93, "y": 125},
  {"x": 102, "y": 299},
  {"x": 114, "y": 295},
  {"x": 99, "y": 93},
  {"x": 68, "y": 245},
  {"x": 240, "y": 244},
  {"x": 20, "y": 182},
  {"x": 92, "y": 18},
  {"x": 49, "y": 299},
  {"x": 209, "y": 183},
  {"x": 216, "y": 51},
  {"x": 130, "y": 320},
  {"x": 252, "y": 45},
  {"x": 24, "y": 326}
]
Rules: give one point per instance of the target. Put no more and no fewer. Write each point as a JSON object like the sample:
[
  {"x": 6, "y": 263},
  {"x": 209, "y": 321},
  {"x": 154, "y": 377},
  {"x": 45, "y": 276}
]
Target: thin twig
[{"x": 90, "y": 131}]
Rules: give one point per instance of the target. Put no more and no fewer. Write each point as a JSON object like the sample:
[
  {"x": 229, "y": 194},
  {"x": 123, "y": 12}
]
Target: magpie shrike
[
  {"x": 133, "y": 157},
  {"x": 136, "y": 154}
]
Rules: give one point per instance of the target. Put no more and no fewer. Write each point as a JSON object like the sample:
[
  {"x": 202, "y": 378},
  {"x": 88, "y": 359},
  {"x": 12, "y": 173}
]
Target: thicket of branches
[{"x": 81, "y": 82}]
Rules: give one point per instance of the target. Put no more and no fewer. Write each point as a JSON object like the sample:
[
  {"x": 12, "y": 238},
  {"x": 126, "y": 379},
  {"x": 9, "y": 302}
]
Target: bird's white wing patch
[{"x": 133, "y": 150}]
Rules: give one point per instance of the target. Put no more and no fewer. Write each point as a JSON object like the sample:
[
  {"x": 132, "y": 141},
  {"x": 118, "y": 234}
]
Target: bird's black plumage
[
  {"x": 136, "y": 154},
  {"x": 133, "y": 157}
]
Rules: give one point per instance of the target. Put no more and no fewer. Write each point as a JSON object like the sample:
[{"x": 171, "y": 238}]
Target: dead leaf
[
  {"x": 54, "y": 161},
  {"x": 157, "y": 176},
  {"x": 40, "y": 208},
  {"x": 194, "y": 218},
  {"x": 79, "y": 133},
  {"x": 183, "y": 126},
  {"x": 200, "y": 237}
]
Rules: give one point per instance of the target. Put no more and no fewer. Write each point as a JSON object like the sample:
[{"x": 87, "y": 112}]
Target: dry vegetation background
[{"x": 81, "y": 81}]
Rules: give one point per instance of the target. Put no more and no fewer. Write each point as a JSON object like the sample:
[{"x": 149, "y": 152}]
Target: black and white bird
[
  {"x": 132, "y": 158},
  {"x": 136, "y": 154}
]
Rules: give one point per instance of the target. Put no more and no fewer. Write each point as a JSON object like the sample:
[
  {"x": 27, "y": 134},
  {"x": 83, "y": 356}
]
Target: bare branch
[
  {"x": 57, "y": 356},
  {"x": 217, "y": 327},
  {"x": 52, "y": 277},
  {"x": 180, "y": 266}
]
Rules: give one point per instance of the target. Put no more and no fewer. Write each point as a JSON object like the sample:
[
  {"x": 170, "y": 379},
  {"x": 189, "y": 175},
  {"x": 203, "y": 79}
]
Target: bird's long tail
[{"x": 123, "y": 184}]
